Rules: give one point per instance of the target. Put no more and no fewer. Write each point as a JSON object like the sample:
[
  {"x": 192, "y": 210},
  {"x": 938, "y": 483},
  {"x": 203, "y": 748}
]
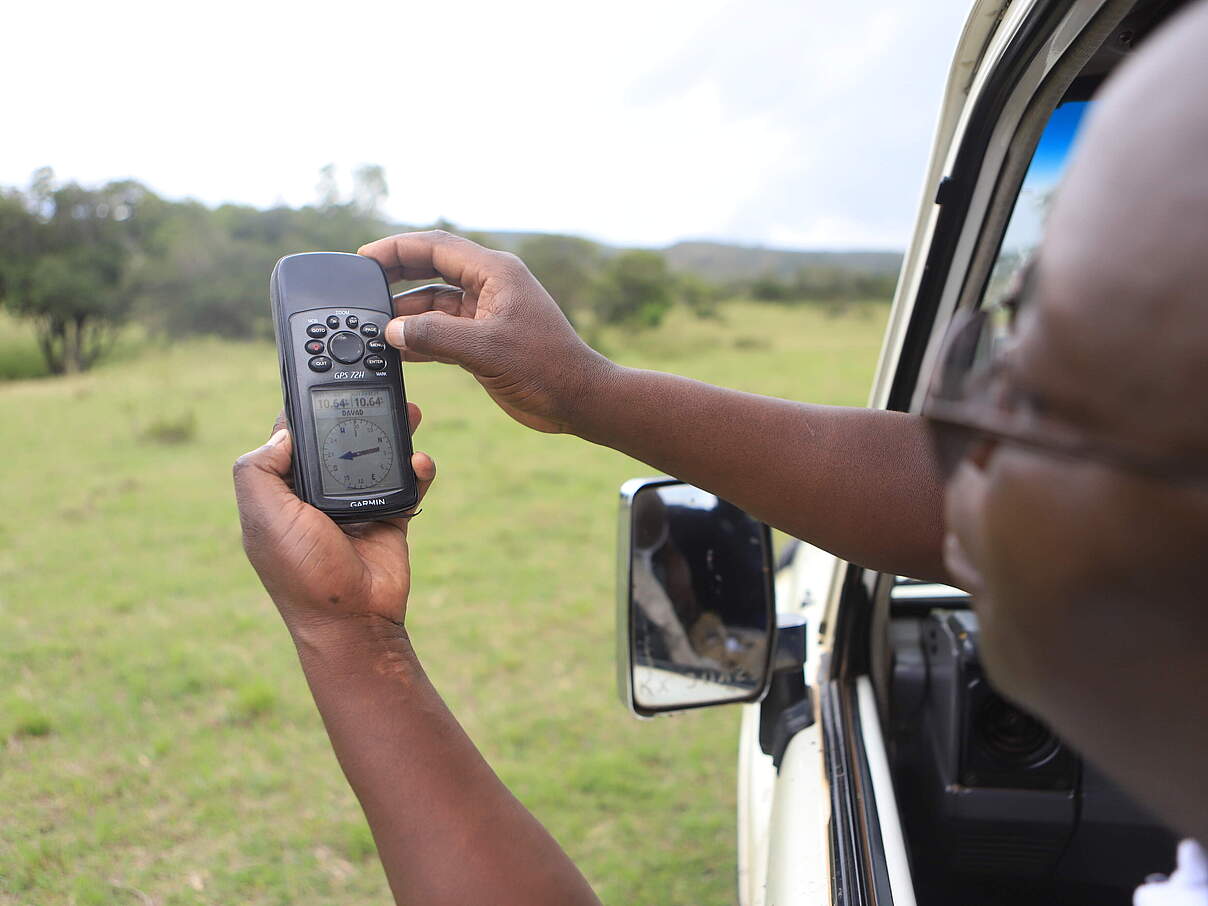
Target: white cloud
[{"x": 637, "y": 122}]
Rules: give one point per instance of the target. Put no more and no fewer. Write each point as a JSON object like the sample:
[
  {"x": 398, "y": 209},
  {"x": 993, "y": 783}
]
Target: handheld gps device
[{"x": 343, "y": 386}]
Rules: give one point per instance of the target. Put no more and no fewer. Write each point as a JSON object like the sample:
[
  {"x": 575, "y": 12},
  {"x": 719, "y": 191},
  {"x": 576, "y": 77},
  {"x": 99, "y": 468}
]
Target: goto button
[
  {"x": 320, "y": 363},
  {"x": 333, "y": 322},
  {"x": 375, "y": 362},
  {"x": 370, "y": 329},
  {"x": 376, "y": 345},
  {"x": 314, "y": 347},
  {"x": 346, "y": 347},
  {"x": 318, "y": 331},
  {"x": 352, "y": 321}
]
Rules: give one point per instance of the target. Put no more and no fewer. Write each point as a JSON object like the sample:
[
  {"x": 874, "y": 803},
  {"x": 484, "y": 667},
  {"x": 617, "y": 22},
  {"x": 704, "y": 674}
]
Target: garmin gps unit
[{"x": 342, "y": 386}]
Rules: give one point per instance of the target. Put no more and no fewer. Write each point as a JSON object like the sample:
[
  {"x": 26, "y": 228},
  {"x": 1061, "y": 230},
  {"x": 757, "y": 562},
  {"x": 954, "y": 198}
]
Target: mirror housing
[{"x": 696, "y": 617}]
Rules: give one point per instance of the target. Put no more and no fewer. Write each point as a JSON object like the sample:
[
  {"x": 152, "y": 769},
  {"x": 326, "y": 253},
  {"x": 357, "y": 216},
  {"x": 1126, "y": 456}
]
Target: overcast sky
[{"x": 796, "y": 124}]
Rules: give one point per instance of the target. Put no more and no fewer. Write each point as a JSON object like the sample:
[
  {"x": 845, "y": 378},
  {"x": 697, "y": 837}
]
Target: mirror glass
[{"x": 700, "y": 612}]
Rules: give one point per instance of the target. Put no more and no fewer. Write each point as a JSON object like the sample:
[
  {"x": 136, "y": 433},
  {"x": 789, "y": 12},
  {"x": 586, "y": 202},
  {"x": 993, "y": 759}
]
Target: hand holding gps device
[{"x": 343, "y": 386}]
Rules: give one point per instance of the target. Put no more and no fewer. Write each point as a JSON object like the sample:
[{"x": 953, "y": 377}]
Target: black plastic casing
[{"x": 306, "y": 289}]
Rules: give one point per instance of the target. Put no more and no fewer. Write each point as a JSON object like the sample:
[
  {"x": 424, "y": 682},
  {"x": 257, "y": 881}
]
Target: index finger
[
  {"x": 425, "y": 474},
  {"x": 435, "y": 253}
]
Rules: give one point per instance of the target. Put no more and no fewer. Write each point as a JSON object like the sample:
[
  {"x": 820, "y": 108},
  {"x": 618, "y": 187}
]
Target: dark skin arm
[
  {"x": 857, "y": 482},
  {"x": 861, "y": 483},
  {"x": 447, "y": 830}
]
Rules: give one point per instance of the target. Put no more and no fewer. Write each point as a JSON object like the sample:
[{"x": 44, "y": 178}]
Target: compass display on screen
[{"x": 357, "y": 453}]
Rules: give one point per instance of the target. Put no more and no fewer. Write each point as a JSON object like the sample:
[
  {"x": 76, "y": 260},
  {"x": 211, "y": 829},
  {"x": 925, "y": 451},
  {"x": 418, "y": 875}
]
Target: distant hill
[{"x": 722, "y": 262}]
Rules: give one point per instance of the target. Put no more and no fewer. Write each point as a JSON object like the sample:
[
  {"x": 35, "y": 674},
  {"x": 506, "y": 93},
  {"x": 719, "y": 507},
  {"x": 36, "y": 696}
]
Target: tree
[
  {"x": 566, "y": 266},
  {"x": 327, "y": 189},
  {"x": 203, "y": 270},
  {"x": 768, "y": 289},
  {"x": 699, "y": 296},
  {"x": 18, "y": 238},
  {"x": 66, "y": 252},
  {"x": 369, "y": 189},
  {"x": 206, "y": 271},
  {"x": 635, "y": 289}
]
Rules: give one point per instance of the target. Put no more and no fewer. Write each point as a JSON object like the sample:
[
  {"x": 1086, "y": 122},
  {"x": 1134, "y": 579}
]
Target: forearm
[
  {"x": 861, "y": 483},
  {"x": 447, "y": 829}
]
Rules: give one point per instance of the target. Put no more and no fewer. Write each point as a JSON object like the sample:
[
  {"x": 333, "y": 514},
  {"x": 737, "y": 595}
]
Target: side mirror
[{"x": 696, "y": 618}]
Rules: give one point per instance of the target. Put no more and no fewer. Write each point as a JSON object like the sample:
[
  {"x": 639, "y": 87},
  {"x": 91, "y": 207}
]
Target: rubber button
[
  {"x": 376, "y": 345},
  {"x": 318, "y": 331},
  {"x": 370, "y": 329},
  {"x": 346, "y": 347},
  {"x": 352, "y": 321},
  {"x": 375, "y": 362},
  {"x": 333, "y": 322},
  {"x": 320, "y": 363},
  {"x": 314, "y": 347}
]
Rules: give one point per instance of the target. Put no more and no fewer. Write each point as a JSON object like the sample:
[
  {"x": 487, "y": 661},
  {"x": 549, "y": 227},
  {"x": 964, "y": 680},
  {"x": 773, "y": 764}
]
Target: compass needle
[{"x": 350, "y": 460}]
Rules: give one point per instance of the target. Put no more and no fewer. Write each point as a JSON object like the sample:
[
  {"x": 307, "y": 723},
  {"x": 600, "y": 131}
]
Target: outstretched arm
[
  {"x": 861, "y": 483},
  {"x": 447, "y": 830}
]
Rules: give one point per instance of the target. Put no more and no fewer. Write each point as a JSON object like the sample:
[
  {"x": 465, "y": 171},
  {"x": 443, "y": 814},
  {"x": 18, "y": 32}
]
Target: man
[{"x": 1077, "y": 515}]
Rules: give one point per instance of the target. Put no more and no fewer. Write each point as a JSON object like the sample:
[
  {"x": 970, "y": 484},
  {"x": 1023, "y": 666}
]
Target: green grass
[
  {"x": 19, "y": 355},
  {"x": 157, "y": 740}
]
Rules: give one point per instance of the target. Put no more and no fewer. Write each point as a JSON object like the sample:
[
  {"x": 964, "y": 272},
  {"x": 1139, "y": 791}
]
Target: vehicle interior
[{"x": 994, "y": 807}]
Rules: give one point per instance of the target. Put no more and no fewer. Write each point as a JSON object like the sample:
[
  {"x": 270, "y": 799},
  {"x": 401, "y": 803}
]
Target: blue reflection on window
[{"x": 1026, "y": 226}]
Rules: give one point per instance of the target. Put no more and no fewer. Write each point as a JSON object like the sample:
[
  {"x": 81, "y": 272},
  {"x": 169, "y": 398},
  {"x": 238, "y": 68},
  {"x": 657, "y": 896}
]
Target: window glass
[
  {"x": 1026, "y": 226},
  {"x": 1024, "y": 232}
]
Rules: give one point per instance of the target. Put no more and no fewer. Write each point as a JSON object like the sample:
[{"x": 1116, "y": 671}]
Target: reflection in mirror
[{"x": 700, "y": 615}]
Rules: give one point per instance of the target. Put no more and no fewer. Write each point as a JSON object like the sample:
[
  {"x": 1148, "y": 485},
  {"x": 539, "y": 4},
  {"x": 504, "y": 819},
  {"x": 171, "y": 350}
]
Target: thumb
[
  {"x": 261, "y": 490},
  {"x": 440, "y": 336}
]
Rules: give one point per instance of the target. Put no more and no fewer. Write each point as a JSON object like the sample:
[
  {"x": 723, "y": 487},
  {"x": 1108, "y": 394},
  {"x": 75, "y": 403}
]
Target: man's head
[{"x": 1091, "y": 580}]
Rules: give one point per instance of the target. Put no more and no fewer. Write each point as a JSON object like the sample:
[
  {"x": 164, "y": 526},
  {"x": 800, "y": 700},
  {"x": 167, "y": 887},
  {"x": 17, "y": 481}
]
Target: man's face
[
  {"x": 1064, "y": 558},
  {"x": 1090, "y": 579}
]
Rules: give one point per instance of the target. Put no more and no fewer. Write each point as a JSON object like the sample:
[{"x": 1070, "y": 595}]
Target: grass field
[{"x": 157, "y": 741}]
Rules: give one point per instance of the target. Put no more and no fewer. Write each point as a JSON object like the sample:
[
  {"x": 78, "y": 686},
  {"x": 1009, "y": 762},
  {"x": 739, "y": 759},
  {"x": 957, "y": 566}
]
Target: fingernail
[
  {"x": 278, "y": 437},
  {"x": 394, "y": 333}
]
